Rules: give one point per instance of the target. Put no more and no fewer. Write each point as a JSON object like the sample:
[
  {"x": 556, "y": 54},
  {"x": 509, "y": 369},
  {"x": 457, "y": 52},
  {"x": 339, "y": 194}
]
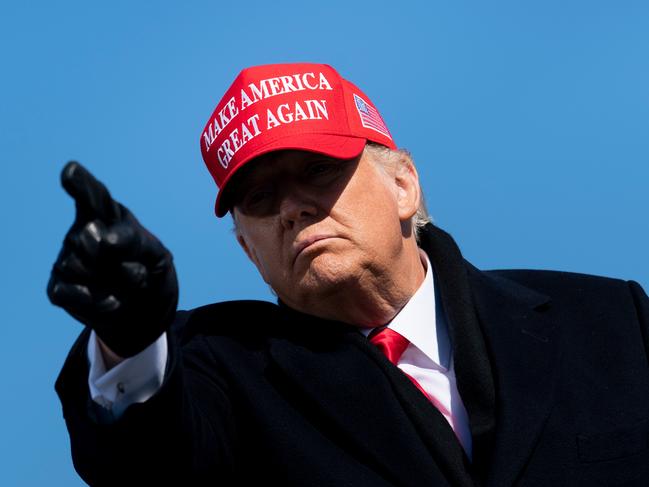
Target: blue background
[{"x": 528, "y": 120}]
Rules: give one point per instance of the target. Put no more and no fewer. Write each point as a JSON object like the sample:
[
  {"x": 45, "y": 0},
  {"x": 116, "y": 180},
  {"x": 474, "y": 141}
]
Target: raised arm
[{"x": 112, "y": 274}]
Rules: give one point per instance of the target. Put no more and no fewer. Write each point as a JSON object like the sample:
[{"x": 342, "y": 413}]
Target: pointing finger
[{"x": 92, "y": 198}]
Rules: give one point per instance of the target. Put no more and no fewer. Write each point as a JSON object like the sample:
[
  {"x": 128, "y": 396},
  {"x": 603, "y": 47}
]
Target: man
[{"x": 389, "y": 360}]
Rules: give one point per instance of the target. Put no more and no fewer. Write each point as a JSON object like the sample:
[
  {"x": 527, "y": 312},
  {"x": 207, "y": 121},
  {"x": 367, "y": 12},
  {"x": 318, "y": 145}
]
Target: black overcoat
[{"x": 552, "y": 366}]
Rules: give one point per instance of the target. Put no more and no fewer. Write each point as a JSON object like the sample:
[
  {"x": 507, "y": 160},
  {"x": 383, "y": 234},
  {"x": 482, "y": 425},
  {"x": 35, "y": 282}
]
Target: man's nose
[{"x": 296, "y": 204}]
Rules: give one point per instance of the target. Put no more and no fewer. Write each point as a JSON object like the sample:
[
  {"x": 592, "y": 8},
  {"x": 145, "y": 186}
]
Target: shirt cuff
[{"x": 134, "y": 380}]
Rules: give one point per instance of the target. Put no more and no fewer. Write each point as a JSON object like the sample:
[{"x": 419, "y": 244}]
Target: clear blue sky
[{"x": 529, "y": 122}]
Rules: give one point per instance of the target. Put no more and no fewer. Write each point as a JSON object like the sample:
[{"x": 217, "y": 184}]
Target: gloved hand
[{"x": 112, "y": 274}]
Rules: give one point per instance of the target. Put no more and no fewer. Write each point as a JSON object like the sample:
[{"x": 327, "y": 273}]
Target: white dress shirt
[
  {"x": 428, "y": 359},
  {"x": 135, "y": 379}
]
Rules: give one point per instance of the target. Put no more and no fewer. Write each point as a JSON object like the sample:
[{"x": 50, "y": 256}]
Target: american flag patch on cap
[{"x": 370, "y": 118}]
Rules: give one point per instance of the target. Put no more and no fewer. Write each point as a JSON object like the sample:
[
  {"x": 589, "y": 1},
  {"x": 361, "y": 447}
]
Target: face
[{"x": 317, "y": 227}]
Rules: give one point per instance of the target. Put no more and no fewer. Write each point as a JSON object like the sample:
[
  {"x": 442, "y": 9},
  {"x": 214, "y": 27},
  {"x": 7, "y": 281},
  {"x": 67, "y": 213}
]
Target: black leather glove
[{"x": 112, "y": 274}]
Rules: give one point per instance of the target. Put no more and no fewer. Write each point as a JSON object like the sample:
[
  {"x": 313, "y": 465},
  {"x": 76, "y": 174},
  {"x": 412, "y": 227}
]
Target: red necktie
[{"x": 392, "y": 344}]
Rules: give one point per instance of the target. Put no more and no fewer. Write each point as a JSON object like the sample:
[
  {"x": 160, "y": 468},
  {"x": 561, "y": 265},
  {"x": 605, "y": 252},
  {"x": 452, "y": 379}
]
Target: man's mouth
[{"x": 305, "y": 243}]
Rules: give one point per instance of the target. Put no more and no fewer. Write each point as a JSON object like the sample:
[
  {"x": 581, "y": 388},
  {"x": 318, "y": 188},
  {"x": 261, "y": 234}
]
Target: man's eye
[
  {"x": 258, "y": 197},
  {"x": 323, "y": 171},
  {"x": 322, "y": 168}
]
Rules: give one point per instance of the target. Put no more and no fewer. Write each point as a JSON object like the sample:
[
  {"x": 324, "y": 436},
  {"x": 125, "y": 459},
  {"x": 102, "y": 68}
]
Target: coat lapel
[
  {"x": 472, "y": 365},
  {"x": 351, "y": 397},
  {"x": 522, "y": 343},
  {"x": 505, "y": 351}
]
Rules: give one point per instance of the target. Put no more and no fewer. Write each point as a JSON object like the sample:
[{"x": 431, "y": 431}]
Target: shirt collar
[{"x": 422, "y": 322}]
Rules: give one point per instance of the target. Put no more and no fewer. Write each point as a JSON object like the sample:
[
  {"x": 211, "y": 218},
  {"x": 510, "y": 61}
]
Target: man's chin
[
  {"x": 324, "y": 270},
  {"x": 321, "y": 283}
]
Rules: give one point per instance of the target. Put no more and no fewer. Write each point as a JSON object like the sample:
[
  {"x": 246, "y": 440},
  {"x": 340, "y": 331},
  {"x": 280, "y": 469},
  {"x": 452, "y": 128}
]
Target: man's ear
[{"x": 408, "y": 190}]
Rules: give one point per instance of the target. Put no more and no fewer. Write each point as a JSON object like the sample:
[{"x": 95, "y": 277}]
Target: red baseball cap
[{"x": 300, "y": 106}]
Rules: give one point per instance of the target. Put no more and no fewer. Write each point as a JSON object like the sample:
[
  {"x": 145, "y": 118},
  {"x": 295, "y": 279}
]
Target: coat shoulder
[
  {"x": 583, "y": 296},
  {"x": 242, "y": 318},
  {"x": 569, "y": 284}
]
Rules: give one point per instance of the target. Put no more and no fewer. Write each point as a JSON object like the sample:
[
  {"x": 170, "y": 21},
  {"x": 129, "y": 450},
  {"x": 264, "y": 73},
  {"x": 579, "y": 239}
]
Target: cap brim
[{"x": 338, "y": 146}]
